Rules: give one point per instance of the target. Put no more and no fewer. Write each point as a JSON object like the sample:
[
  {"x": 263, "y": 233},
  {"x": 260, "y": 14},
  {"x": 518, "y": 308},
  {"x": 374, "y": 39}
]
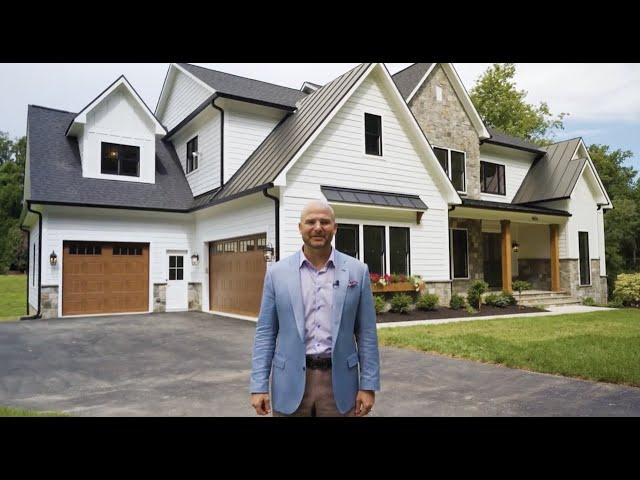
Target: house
[{"x": 130, "y": 210}]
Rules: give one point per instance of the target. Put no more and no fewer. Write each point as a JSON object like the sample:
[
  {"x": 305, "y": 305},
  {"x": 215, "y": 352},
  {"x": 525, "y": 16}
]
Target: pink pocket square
[{"x": 352, "y": 283}]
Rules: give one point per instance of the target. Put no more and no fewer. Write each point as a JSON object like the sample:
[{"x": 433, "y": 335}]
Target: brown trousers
[{"x": 318, "y": 398}]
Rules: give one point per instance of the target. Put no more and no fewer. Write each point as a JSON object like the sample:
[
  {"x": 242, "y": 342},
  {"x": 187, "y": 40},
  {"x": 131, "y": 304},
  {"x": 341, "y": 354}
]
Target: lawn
[
  {"x": 602, "y": 346},
  {"x": 12, "y": 297},
  {"x": 21, "y": 412}
]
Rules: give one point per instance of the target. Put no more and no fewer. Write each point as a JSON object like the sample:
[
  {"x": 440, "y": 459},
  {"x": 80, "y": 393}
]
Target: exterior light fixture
[
  {"x": 53, "y": 259},
  {"x": 195, "y": 258},
  {"x": 515, "y": 246},
  {"x": 268, "y": 253}
]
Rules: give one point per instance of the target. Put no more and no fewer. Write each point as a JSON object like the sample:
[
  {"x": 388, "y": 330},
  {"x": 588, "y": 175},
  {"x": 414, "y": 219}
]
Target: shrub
[
  {"x": 628, "y": 289},
  {"x": 509, "y": 298},
  {"x": 588, "y": 301},
  {"x": 615, "y": 302},
  {"x": 428, "y": 301},
  {"x": 475, "y": 291},
  {"x": 379, "y": 304},
  {"x": 400, "y": 303},
  {"x": 500, "y": 300},
  {"x": 470, "y": 309},
  {"x": 457, "y": 302},
  {"x": 491, "y": 299},
  {"x": 519, "y": 286}
]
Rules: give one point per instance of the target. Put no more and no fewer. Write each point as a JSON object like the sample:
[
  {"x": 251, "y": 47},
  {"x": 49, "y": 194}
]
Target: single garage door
[
  {"x": 100, "y": 277},
  {"x": 236, "y": 274}
]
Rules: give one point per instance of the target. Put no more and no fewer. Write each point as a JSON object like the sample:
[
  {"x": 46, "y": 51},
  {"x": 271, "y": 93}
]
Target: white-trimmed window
[
  {"x": 120, "y": 159},
  {"x": 459, "y": 252},
  {"x": 454, "y": 163},
  {"x": 373, "y": 134}
]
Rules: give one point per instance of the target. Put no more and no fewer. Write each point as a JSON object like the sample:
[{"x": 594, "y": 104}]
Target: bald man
[{"x": 316, "y": 333}]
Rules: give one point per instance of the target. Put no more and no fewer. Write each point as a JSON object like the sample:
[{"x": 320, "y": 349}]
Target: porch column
[
  {"x": 506, "y": 255},
  {"x": 555, "y": 257}
]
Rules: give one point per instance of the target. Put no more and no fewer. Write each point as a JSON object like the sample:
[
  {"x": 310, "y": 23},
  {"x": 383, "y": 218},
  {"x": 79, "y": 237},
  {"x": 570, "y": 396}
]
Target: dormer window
[
  {"x": 120, "y": 160},
  {"x": 192, "y": 155},
  {"x": 373, "y": 134}
]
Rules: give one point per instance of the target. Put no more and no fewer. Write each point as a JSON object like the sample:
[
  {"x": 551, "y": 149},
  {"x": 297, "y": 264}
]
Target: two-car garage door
[{"x": 101, "y": 277}]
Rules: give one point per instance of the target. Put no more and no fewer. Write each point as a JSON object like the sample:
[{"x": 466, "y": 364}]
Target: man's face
[{"x": 317, "y": 228}]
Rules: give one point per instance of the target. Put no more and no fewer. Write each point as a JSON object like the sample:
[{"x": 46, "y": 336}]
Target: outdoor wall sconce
[
  {"x": 515, "y": 246},
  {"x": 268, "y": 253},
  {"x": 53, "y": 259},
  {"x": 195, "y": 258}
]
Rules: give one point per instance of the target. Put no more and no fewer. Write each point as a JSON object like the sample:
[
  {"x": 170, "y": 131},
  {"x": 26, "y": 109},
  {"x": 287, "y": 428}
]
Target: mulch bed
[{"x": 445, "y": 312}]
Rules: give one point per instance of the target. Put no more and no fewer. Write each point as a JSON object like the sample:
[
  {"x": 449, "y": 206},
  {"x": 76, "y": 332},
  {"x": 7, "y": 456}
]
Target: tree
[
  {"x": 502, "y": 106},
  {"x": 6, "y": 148}
]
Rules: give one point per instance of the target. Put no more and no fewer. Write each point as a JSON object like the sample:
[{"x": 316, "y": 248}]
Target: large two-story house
[{"x": 130, "y": 210}]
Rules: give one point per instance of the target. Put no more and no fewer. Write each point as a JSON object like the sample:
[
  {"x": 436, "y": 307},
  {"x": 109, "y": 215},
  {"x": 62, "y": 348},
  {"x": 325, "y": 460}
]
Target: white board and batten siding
[
  {"x": 516, "y": 165},
  {"x": 162, "y": 231},
  {"x": 34, "y": 274},
  {"x": 184, "y": 97},
  {"x": 336, "y": 158},
  {"x": 248, "y": 215}
]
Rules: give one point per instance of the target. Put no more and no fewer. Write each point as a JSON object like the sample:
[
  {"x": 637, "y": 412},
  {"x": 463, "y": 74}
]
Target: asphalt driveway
[{"x": 196, "y": 364}]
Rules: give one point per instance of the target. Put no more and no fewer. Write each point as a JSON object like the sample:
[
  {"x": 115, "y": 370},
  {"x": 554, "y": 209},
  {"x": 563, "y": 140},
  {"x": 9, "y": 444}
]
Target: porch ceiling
[{"x": 512, "y": 215}]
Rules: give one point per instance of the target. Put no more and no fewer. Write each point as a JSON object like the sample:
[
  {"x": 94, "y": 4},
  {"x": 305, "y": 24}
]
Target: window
[
  {"x": 33, "y": 260},
  {"x": 85, "y": 249},
  {"x": 126, "y": 250},
  {"x": 438, "y": 93},
  {"x": 454, "y": 164},
  {"x": 585, "y": 267},
  {"x": 492, "y": 178},
  {"x": 373, "y": 134},
  {"x": 348, "y": 240},
  {"x": 120, "y": 160},
  {"x": 374, "y": 242},
  {"x": 176, "y": 267},
  {"x": 459, "y": 253},
  {"x": 399, "y": 254},
  {"x": 192, "y": 155}
]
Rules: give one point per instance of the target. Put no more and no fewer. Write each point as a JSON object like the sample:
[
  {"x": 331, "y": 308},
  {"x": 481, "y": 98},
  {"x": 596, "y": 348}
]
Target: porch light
[
  {"x": 53, "y": 259},
  {"x": 268, "y": 253},
  {"x": 515, "y": 246},
  {"x": 195, "y": 258}
]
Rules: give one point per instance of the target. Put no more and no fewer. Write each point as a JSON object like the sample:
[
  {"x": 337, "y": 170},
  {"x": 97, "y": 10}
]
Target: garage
[
  {"x": 100, "y": 277},
  {"x": 236, "y": 274}
]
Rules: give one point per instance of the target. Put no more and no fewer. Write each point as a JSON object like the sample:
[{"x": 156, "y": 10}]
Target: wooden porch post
[
  {"x": 506, "y": 255},
  {"x": 555, "y": 257}
]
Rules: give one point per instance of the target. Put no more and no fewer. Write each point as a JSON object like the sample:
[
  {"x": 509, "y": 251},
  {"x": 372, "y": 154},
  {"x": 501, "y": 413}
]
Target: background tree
[{"x": 504, "y": 107}]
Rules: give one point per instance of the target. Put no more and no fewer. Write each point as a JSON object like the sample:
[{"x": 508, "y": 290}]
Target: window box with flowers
[{"x": 395, "y": 283}]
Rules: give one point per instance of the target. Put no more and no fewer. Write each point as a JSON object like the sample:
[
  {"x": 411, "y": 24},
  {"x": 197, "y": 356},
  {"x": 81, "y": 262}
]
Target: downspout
[
  {"x": 38, "y": 313},
  {"x": 450, "y": 209},
  {"x": 28, "y": 261},
  {"x": 277, "y": 211},
  {"x": 213, "y": 104}
]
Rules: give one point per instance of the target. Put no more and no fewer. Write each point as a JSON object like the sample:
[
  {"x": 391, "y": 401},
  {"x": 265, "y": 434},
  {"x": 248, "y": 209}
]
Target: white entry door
[{"x": 177, "y": 282}]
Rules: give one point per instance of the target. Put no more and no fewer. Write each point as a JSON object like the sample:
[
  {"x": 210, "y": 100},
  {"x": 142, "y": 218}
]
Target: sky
[{"x": 602, "y": 100}]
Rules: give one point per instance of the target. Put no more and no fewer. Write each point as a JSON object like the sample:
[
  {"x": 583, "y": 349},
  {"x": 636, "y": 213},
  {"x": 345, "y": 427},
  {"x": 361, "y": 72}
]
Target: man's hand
[
  {"x": 260, "y": 401},
  {"x": 364, "y": 402}
]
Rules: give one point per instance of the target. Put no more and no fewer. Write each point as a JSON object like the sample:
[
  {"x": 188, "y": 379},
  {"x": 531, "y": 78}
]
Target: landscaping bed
[{"x": 445, "y": 312}]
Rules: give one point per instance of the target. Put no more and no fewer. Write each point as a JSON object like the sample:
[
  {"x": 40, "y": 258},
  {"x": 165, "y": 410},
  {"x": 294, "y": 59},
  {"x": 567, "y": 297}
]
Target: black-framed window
[
  {"x": 374, "y": 242},
  {"x": 585, "y": 267},
  {"x": 192, "y": 160},
  {"x": 459, "y": 253},
  {"x": 373, "y": 134},
  {"x": 443, "y": 157},
  {"x": 492, "y": 178},
  {"x": 454, "y": 164},
  {"x": 399, "y": 256},
  {"x": 120, "y": 160},
  {"x": 348, "y": 240},
  {"x": 176, "y": 267}
]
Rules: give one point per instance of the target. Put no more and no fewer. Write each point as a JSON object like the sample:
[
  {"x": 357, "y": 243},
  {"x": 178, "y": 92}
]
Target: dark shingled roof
[
  {"x": 369, "y": 197},
  {"x": 287, "y": 138},
  {"x": 245, "y": 87},
  {"x": 407, "y": 79},
  {"x": 553, "y": 176},
  {"x": 468, "y": 202},
  {"x": 56, "y": 172},
  {"x": 500, "y": 138}
]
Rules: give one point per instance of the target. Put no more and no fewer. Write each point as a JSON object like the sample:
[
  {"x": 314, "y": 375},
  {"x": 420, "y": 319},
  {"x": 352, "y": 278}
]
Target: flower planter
[{"x": 393, "y": 287}]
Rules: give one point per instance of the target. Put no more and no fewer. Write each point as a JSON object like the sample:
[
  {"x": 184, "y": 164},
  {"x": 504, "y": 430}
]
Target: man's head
[{"x": 317, "y": 225}]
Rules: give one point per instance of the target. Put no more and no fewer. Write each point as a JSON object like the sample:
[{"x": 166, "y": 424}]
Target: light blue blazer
[{"x": 280, "y": 331}]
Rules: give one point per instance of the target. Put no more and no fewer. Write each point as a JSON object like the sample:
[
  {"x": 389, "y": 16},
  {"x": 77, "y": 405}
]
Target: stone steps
[{"x": 548, "y": 300}]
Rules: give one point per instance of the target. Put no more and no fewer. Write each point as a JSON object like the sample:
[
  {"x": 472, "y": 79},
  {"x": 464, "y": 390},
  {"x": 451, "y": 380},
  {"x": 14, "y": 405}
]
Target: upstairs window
[
  {"x": 373, "y": 134},
  {"x": 454, "y": 164},
  {"x": 192, "y": 155},
  {"x": 492, "y": 178},
  {"x": 120, "y": 160}
]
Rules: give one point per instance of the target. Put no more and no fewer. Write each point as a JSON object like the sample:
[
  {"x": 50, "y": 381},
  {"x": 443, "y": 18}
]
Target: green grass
[
  {"x": 21, "y": 412},
  {"x": 601, "y": 346},
  {"x": 13, "y": 289}
]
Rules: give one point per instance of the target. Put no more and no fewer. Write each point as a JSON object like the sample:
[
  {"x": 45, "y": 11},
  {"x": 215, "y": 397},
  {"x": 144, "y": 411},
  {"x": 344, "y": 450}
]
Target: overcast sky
[{"x": 603, "y": 100}]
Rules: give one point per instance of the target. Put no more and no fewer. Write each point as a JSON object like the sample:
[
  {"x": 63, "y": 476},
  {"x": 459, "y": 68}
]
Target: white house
[{"x": 134, "y": 211}]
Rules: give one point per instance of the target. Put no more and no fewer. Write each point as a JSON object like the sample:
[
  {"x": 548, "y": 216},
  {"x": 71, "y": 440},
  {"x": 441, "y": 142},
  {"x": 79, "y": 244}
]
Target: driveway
[{"x": 196, "y": 364}]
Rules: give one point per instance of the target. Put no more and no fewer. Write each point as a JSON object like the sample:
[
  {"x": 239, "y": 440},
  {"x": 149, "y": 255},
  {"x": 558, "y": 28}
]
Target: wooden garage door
[
  {"x": 236, "y": 274},
  {"x": 102, "y": 277}
]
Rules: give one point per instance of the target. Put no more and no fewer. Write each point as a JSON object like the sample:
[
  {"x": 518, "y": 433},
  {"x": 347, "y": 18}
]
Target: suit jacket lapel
[
  {"x": 295, "y": 291},
  {"x": 339, "y": 294}
]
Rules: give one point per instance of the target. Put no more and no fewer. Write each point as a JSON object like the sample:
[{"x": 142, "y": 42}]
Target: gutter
[
  {"x": 276, "y": 201},
  {"x": 38, "y": 312},
  {"x": 213, "y": 104}
]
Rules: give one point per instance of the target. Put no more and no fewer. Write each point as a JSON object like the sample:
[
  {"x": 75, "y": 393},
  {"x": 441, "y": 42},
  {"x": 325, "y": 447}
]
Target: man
[{"x": 317, "y": 323}]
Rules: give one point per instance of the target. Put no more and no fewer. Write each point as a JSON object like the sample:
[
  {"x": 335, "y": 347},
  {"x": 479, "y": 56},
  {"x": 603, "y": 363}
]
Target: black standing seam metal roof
[
  {"x": 55, "y": 171},
  {"x": 370, "y": 197},
  {"x": 283, "y": 143},
  {"x": 406, "y": 80},
  {"x": 498, "y": 137},
  {"x": 510, "y": 207}
]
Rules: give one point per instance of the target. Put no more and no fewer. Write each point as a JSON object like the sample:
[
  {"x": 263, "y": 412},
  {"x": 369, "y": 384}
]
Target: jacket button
[{"x": 304, "y": 368}]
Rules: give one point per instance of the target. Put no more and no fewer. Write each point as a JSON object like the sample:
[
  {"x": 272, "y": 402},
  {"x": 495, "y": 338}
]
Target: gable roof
[
  {"x": 56, "y": 171},
  {"x": 410, "y": 79}
]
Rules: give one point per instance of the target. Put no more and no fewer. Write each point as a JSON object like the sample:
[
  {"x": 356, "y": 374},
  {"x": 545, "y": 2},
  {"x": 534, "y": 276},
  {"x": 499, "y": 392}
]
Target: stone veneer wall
[
  {"x": 195, "y": 296},
  {"x": 536, "y": 271},
  {"x": 442, "y": 289},
  {"x": 447, "y": 125},
  {"x": 570, "y": 280},
  {"x": 49, "y": 301},
  {"x": 159, "y": 297},
  {"x": 474, "y": 237}
]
